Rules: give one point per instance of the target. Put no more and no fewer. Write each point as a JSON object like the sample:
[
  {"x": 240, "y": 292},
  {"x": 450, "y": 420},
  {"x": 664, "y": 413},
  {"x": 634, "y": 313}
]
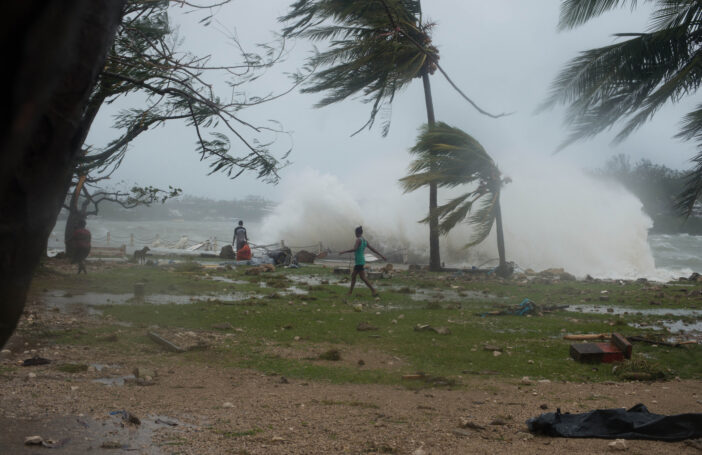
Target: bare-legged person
[{"x": 360, "y": 260}]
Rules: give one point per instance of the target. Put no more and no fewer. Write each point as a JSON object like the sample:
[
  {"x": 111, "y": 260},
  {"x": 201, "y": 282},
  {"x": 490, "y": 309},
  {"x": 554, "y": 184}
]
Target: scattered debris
[
  {"x": 33, "y": 440},
  {"x": 365, "y": 327},
  {"x": 617, "y": 350},
  {"x": 433, "y": 380},
  {"x": 639, "y": 369},
  {"x": 127, "y": 416},
  {"x": 501, "y": 420},
  {"x": 634, "y": 423},
  {"x": 428, "y": 328},
  {"x": 465, "y": 423},
  {"x": 222, "y": 326},
  {"x": 618, "y": 445},
  {"x": 165, "y": 421},
  {"x": 144, "y": 373},
  {"x": 260, "y": 269},
  {"x": 641, "y": 339},
  {"x": 111, "y": 444},
  {"x": 165, "y": 343},
  {"x": 34, "y": 361},
  {"x": 589, "y": 336},
  {"x": 332, "y": 354},
  {"x": 305, "y": 257}
]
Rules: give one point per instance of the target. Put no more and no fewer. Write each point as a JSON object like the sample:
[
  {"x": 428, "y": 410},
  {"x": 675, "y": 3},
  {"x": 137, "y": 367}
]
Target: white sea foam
[{"x": 554, "y": 216}]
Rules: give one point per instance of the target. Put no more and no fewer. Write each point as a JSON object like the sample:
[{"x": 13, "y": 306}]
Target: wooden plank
[
  {"x": 165, "y": 343},
  {"x": 622, "y": 343},
  {"x": 586, "y": 352},
  {"x": 610, "y": 353}
]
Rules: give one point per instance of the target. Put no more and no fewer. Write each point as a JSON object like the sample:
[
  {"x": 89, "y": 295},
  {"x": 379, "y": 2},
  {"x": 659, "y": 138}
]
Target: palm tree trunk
[
  {"x": 503, "y": 269},
  {"x": 434, "y": 255}
]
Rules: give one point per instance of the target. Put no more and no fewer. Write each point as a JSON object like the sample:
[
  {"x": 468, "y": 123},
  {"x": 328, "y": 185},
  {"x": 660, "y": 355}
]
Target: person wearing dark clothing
[
  {"x": 80, "y": 242},
  {"x": 240, "y": 237}
]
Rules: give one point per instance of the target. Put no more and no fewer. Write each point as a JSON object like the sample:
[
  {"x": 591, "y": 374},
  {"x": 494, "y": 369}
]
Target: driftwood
[
  {"x": 591, "y": 336},
  {"x": 641, "y": 339}
]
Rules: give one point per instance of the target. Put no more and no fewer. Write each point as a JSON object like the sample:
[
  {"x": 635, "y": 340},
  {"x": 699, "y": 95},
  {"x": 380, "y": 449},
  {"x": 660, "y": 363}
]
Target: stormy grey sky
[{"x": 503, "y": 53}]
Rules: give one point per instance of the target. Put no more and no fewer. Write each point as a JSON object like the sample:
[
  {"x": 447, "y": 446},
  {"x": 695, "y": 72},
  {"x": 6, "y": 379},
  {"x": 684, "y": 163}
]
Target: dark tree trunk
[
  {"x": 503, "y": 270},
  {"x": 434, "y": 254},
  {"x": 53, "y": 52}
]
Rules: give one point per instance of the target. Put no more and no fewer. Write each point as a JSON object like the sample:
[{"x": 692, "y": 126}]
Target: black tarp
[{"x": 634, "y": 423}]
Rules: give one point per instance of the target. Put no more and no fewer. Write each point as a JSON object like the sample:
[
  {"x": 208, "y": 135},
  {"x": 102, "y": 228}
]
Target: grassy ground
[{"x": 282, "y": 331}]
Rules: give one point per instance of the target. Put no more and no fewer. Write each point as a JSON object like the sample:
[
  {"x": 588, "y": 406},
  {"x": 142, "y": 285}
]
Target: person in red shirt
[{"x": 80, "y": 240}]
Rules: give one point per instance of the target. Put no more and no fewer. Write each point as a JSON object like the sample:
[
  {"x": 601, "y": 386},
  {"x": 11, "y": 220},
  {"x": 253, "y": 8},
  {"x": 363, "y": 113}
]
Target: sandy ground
[{"x": 193, "y": 408}]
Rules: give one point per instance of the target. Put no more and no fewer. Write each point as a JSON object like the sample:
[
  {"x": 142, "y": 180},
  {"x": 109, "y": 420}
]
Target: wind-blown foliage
[
  {"x": 449, "y": 157},
  {"x": 168, "y": 84},
  {"x": 634, "y": 78},
  {"x": 376, "y": 48}
]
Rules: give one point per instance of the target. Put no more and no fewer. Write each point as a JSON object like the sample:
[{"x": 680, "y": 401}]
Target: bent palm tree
[
  {"x": 448, "y": 158},
  {"x": 377, "y": 47},
  {"x": 634, "y": 78}
]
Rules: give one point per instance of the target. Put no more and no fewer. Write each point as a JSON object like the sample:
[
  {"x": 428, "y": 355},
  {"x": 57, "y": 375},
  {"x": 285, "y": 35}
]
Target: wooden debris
[
  {"x": 592, "y": 336},
  {"x": 165, "y": 343}
]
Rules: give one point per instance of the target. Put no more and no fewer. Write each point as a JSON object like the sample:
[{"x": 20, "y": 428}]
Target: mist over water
[{"x": 554, "y": 216}]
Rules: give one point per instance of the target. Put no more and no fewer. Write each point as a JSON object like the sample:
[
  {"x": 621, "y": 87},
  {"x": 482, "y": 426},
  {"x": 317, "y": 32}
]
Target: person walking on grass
[{"x": 360, "y": 260}]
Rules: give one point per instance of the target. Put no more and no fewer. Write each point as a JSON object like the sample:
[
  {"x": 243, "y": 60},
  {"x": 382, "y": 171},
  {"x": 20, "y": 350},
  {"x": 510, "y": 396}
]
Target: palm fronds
[
  {"x": 449, "y": 157},
  {"x": 376, "y": 48},
  {"x": 631, "y": 80}
]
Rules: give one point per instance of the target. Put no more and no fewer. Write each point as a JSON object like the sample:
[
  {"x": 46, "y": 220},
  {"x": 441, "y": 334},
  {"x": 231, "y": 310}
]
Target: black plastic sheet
[{"x": 634, "y": 423}]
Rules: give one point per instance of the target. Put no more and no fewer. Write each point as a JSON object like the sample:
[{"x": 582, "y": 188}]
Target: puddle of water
[
  {"x": 295, "y": 291},
  {"x": 314, "y": 280},
  {"x": 672, "y": 326},
  {"x": 79, "y": 302},
  {"x": 599, "y": 309},
  {"x": 80, "y": 434},
  {"x": 115, "y": 381},
  {"x": 227, "y": 280},
  {"x": 448, "y": 295},
  {"x": 101, "y": 366}
]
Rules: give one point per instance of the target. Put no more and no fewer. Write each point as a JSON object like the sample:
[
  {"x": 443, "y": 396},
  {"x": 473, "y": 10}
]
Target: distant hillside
[
  {"x": 252, "y": 208},
  {"x": 658, "y": 188}
]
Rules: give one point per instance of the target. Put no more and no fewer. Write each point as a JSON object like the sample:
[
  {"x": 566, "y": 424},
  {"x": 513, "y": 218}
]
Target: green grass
[
  {"x": 72, "y": 368},
  {"x": 325, "y": 319}
]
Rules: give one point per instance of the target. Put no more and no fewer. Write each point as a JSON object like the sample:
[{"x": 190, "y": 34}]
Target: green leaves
[
  {"x": 631, "y": 80},
  {"x": 170, "y": 84},
  {"x": 449, "y": 157},
  {"x": 376, "y": 48}
]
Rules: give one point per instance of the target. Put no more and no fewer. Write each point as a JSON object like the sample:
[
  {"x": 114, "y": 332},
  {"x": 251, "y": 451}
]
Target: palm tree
[
  {"x": 376, "y": 48},
  {"x": 634, "y": 78},
  {"x": 448, "y": 157}
]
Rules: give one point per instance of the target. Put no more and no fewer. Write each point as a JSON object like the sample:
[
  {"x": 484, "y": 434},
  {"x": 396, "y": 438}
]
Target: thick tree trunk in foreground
[
  {"x": 434, "y": 254},
  {"x": 53, "y": 51}
]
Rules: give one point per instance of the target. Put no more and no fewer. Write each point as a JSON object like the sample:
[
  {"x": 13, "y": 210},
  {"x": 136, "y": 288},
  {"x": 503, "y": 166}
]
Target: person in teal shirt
[{"x": 360, "y": 261}]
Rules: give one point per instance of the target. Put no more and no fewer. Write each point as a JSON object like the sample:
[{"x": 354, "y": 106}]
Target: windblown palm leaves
[
  {"x": 448, "y": 157},
  {"x": 634, "y": 78},
  {"x": 376, "y": 47}
]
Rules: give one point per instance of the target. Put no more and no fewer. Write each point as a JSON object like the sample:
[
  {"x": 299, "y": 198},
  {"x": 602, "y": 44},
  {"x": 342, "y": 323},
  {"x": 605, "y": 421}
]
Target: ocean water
[{"x": 673, "y": 255}]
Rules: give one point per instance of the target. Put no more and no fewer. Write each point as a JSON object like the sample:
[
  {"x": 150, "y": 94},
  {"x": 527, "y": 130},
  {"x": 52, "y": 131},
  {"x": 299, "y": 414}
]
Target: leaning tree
[
  {"x": 448, "y": 157},
  {"x": 147, "y": 70},
  {"x": 635, "y": 77},
  {"x": 375, "y": 49},
  {"x": 53, "y": 52}
]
